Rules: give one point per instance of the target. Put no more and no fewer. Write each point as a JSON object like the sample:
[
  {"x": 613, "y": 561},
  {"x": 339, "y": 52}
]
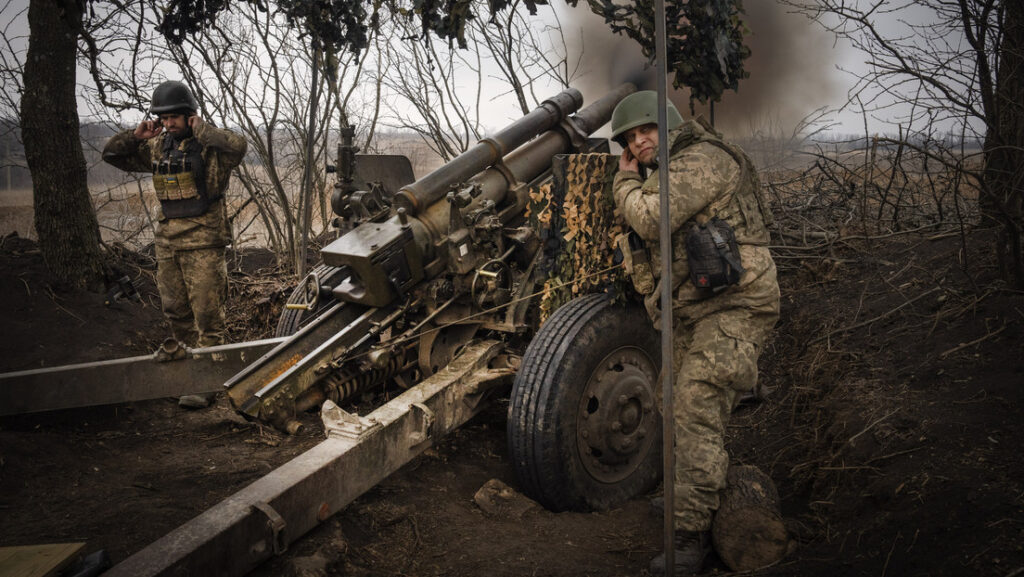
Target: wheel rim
[{"x": 616, "y": 420}]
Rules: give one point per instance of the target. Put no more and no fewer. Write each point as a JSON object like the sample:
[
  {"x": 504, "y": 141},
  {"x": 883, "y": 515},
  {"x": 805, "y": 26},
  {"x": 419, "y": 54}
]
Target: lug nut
[{"x": 616, "y": 426}]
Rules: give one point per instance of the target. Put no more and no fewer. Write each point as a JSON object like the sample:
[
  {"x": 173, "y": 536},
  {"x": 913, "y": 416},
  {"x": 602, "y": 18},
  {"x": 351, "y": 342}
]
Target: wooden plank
[{"x": 37, "y": 560}]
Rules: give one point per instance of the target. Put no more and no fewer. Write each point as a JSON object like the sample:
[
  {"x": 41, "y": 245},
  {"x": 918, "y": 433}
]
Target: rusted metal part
[
  {"x": 165, "y": 373},
  {"x": 248, "y": 527}
]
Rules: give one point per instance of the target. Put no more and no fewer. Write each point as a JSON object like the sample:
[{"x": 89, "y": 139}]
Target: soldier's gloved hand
[{"x": 148, "y": 129}]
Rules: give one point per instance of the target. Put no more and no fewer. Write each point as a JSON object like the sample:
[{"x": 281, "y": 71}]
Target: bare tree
[
  {"x": 252, "y": 73},
  {"x": 442, "y": 85},
  {"x": 69, "y": 237},
  {"x": 255, "y": 74},
  {"x": 954, "y": 64},
  {"x": 526, "y": 52},
  {"x": 11, "y": 64},
  {"x": 422, "y": 74}
]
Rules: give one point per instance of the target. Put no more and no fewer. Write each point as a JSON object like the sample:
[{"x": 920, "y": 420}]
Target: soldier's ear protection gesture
[
  {"x": 627, "y": 161},
  {"x": 148, "y": 129},
  {"x": 194, "y": 122}
]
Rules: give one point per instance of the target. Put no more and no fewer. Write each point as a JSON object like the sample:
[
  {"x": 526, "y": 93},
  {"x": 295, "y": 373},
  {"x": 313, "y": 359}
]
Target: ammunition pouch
[
  {"x": 175, "y": 186},
  {"x": 636, "y": 262},
  {"x": 179, "y": 179},
  {"x": 713, "y": 256}
]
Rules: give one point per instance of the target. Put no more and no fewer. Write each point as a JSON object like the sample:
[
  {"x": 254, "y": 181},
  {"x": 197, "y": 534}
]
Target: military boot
[{"x": 691, "y": 549}]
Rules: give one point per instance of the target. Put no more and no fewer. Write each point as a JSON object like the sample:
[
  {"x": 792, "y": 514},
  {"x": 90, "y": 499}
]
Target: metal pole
[
  {"x": 307, "y": 174},
  {"x": 668, "y": 431},
  {"x": 124, "y": 380}
]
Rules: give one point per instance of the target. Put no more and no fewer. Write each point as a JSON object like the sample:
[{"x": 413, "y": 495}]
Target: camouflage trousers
[
  {"x": 716, "y": 360},
  {"x": 193, "y": 289}
]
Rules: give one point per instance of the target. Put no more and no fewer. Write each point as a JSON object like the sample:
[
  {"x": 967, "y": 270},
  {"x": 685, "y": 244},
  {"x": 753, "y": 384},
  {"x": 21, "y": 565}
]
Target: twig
[
  {"x": 848, "y": 468},
  {"x": 853, "y": 438},
  {"x": 896, "y": 454},
  {"x": 891, "y": 549},
  {"x": 80, "y": 319},
  {"x": 872, "y": 320},
  {"x": 942, "y": 235},
  {"x": 214, "y": 437},
  {"x": 972, "y": 343}
]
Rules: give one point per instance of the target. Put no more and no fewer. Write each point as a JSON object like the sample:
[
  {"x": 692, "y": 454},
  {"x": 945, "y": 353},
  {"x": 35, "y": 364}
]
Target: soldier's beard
[{"x": 181, "y": 134}]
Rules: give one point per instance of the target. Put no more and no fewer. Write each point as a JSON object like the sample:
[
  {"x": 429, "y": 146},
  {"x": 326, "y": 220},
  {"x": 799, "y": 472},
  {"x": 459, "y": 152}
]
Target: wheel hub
[{"x": 616, "y": 422}]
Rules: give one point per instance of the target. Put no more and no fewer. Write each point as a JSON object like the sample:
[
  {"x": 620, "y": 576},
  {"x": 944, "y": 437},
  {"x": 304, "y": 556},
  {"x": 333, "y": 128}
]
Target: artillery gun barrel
[
  {"x": 529, "y": 161},
  {"x": 423, "y": 193}
]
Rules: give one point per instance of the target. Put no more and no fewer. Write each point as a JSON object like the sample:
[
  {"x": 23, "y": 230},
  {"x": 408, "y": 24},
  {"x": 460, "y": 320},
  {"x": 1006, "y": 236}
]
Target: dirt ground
[{"x": 892, "y": 434}]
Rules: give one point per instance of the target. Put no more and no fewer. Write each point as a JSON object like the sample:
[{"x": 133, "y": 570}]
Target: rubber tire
[{"x": 546, "y": 397}]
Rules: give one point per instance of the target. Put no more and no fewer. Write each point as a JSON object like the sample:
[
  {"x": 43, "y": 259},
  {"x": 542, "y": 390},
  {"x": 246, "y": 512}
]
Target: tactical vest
[
  {"x": 755, "y": 213},
  {"x": 179, "y": 178}
]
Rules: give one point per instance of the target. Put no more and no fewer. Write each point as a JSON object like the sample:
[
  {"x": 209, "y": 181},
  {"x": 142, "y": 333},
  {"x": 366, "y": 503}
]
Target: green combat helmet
[
  {"x": 638, "y": 109},
  {"x": 172, "y": 96}
]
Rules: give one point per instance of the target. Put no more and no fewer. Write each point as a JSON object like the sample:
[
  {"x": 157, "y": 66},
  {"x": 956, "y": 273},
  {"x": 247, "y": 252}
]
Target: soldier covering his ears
[
  {"x": 191, "y": 162},
  {"x": 726, "y": 295}
]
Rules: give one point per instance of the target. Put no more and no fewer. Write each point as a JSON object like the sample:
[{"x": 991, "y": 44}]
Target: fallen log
[{"x": 748, "y": 531}]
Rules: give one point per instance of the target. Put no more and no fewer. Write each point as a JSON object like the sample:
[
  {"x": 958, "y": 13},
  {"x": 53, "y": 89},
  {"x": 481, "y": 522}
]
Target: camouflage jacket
[
  {"x": 223, "y": 150},
  {"x": 707, "y": 177}
]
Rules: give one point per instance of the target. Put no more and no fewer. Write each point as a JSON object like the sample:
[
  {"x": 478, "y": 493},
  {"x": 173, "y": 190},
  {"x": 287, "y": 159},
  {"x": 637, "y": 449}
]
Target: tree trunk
[
  {"x": 747, "y": 530},
  {"x": 1002, "y": 201},
  {"x": 69, "y": 237}
]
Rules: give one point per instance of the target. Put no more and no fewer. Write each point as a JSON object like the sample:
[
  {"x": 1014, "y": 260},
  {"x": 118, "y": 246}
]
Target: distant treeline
[
  {"x": 14, "y": 172},
  {"x": 848, "y": 142}
]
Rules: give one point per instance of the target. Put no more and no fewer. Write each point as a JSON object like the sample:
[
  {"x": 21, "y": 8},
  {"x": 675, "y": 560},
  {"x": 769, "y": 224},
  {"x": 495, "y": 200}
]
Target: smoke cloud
[{"x": 792, "y": 69}]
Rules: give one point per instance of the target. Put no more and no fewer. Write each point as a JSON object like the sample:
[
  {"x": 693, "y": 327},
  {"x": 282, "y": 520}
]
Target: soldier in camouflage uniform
[
  {"x": 191, "y": 162},
  {"x": 717, "y": 337}
]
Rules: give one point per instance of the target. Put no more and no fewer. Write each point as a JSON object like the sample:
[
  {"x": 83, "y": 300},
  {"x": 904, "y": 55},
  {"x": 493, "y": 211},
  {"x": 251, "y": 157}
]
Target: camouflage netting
[{"x": 578, "y": 222}]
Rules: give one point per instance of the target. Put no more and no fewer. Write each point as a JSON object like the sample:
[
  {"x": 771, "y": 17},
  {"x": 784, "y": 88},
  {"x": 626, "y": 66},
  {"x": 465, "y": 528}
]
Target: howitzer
[
  {"x": 431, "y": 286},
  {"x": 451, "y": 264}
]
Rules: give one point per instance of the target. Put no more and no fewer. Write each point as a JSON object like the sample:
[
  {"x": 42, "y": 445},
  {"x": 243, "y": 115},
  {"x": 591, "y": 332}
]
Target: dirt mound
[
  {"x": 45, "y": 325},
  {"x": 890, "y": 432}
]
